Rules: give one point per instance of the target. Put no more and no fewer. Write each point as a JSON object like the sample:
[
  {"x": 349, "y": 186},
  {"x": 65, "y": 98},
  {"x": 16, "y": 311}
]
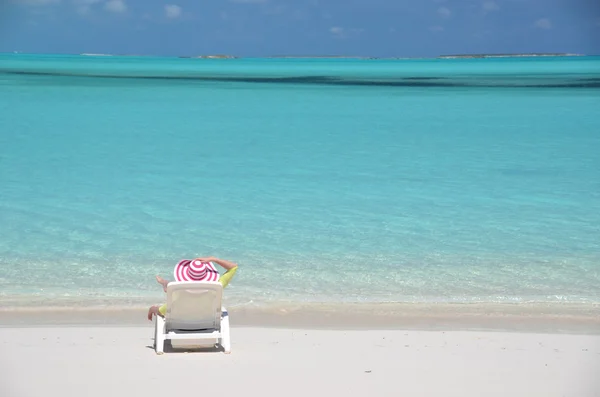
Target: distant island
[
  {"x": 457, "y": 56},
  {"x": 453, "y": 56},
  {"x": 218, "y": 56},
  {"x": 507, "y": 55}
]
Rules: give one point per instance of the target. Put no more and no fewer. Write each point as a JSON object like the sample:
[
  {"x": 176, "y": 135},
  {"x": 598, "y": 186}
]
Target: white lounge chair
[{"x": 194, "y": 313}]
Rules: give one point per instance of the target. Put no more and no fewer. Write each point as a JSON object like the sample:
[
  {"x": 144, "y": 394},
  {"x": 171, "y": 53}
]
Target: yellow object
[{"x": 224, "y": 280}]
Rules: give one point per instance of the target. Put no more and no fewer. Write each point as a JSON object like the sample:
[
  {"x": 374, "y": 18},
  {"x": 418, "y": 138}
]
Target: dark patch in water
[
  {"x": 422, "y": 78},
  {"x": 530, "y": 172},
  {"x": 327, "y": 80}
]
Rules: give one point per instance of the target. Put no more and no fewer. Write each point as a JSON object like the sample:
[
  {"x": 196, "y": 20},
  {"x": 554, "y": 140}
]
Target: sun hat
[{"x": 195, "y": 270}]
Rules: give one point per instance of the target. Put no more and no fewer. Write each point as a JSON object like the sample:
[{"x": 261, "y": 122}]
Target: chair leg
[
  {"x": 159, "y": 335},
  {"x": 225, "y": 334}
]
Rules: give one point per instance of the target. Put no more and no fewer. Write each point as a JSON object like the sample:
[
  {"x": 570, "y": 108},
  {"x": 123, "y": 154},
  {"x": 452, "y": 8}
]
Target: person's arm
[
  {"x": 229, "y": 266},
  {"x": 221, "y": 262},
  {"x": 162, "y": 310},
  {"x": 156, "y": 311},
  {"x": 226, "y": 278}
]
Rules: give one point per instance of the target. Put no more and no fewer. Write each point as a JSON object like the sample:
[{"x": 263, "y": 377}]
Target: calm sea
[{"x": 327, "y": 180}]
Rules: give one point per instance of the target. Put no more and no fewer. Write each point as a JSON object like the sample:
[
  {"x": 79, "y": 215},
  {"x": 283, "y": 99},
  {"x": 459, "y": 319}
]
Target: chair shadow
[{"x": 168, "y": 348}]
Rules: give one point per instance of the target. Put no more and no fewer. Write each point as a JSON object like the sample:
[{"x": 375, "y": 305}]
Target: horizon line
[{"x": 367, "y": 57}]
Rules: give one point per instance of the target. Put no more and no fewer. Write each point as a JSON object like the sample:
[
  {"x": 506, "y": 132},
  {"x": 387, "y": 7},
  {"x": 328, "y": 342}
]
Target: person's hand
[{"x": 153, "y": 311}]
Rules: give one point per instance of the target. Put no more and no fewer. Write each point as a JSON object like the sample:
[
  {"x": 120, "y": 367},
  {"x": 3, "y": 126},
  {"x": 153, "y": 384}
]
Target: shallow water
[{"x": 327, "y": 180}]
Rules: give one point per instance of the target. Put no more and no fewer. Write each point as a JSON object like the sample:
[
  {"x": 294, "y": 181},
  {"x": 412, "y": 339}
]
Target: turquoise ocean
[{"x": 327, "y": 180}]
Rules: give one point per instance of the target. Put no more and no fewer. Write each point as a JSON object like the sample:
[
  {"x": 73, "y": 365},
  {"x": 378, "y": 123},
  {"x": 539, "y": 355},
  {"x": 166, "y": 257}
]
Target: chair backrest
[{"x": 193, "y": 305}]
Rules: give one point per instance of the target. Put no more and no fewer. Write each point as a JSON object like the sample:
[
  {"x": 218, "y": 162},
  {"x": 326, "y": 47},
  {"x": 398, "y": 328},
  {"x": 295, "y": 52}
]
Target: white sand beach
[{"x": 101, "y": 361}]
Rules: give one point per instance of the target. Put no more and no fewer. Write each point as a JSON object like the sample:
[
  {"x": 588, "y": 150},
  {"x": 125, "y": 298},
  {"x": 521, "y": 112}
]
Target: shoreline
[{"x": 526, "y": 318}]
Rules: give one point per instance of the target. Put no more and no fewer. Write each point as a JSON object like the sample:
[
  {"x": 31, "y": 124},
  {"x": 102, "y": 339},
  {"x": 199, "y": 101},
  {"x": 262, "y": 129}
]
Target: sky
[{"x": 378, "y": 28}]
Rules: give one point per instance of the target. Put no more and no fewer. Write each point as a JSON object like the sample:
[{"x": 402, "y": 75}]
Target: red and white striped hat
[{"x": 195, "y": 270}]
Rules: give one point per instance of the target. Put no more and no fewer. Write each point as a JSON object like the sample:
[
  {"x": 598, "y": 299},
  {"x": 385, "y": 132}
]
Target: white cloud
[
  {"x": 342, "y": 33},
  {"x": 84, "y": 7},
  {"x": 490, "y": 6},
  {"x": 436, "y": 29},
  {"x": 249, "y": 1},
  {"x": 38, "y": 2},
  {"x": 444, "y": 12},
  {"x": 85, "y": 2},
  {"x": 543, "y": 23},
  {"x": 173, "y": 11},
  {"x": 300, "y": 15},
  {"x": 278, "y": 9},
  {"x": 116, "y": 6},
  {"x": 336, "y": 30}
]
